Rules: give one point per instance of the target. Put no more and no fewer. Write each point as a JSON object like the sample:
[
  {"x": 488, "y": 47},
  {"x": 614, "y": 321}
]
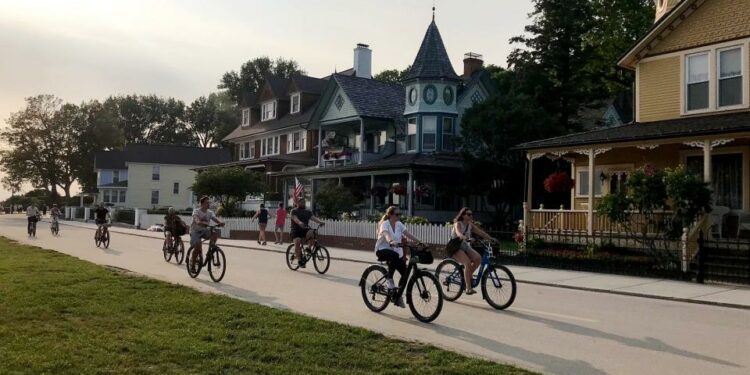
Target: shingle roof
[
  {"x": 160, "y": 154},
  {"x": 286, "y": 121},
  {"x": 683, "y": 127},
  {"x": 310, "y": 85},
  {"x": 372, "y": 98},
  {"x": 390, "y": 162},
  {"x": 303, "y": 159},
  {"x": 432, "y": 60},
  {"x": 278, "y": 85}
]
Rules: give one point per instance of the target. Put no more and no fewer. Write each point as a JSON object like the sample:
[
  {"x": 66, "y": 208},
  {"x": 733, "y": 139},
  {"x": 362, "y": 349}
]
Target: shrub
[
  {"x": 415, "y": 220},
  {"x": 334, "y": 199},
  {"x": 125, "y": 216}
]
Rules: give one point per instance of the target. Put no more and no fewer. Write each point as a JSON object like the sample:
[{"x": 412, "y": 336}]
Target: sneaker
[
  {"x": 264, "y": 243},
  {"x": 302, "y": 264},
  {"x": 470, "y": 292},
  {"x": 258, "y": 242}
]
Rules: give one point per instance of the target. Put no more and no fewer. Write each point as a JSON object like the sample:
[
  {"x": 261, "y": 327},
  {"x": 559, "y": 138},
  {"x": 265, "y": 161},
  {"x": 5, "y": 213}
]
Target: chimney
[
  {"x": 472, "y": 63},
  {"x": 363, "y": 61}
]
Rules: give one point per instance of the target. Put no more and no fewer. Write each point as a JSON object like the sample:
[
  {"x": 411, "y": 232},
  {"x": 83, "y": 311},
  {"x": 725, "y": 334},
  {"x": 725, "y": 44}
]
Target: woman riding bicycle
[
  {"x": 463, "y": 228},
  {"x": 391, "y": 236}
]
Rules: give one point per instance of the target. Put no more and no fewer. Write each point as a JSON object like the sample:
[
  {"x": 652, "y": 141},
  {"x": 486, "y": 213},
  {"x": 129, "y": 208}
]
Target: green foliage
[
  {"x": 125, "y": 216},
  {"x": 415, "y": 220},
  {"x": 252, "y": 75},
  {"x": 212, "y": 118},
  {"x": 536, "y": 244},
  {"x": 228, "y": 186},
  {"x": 334, "y": 199},
  {"x": 392, "y": 75}
]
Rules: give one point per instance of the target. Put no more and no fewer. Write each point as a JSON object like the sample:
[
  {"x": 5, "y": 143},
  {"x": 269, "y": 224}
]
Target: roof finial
[{"x": 433, "y": 10}]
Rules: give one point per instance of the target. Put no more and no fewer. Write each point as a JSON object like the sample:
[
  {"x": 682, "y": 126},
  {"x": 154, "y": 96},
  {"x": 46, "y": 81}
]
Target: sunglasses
[
  {"x": 469, "y": 214},
  {"x": 396, "y": 214}
]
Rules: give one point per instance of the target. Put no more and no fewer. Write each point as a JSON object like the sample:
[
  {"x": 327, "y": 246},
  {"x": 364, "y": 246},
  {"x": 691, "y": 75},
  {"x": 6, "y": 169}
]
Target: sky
[{"x": 82, "y": 50}]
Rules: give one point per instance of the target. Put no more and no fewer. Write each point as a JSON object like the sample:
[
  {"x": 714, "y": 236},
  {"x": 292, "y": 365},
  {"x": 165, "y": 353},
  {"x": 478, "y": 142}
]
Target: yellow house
[{"x": 692, "y": 108}]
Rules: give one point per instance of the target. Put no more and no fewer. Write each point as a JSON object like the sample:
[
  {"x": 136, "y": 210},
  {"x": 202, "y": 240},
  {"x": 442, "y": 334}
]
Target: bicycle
[
  {"x": 318, "y": 253},
  {"x": 177, "y": 249},
  {"x": 423, "y": 294},
  {"x": 31, "y": 227},
  {"x": 101, "y": 237},
  {"x": 54, "y": 226},
  {"x": 215, "y": 260},
  {"x": 498, "y": 283}
]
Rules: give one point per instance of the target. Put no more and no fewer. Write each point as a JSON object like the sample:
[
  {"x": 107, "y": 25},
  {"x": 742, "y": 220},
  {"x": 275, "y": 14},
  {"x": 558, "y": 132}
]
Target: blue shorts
[{"x": 199, "y": 234}]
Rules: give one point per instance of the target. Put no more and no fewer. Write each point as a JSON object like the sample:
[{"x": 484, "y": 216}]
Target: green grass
[{"x": 59, "y": 314}]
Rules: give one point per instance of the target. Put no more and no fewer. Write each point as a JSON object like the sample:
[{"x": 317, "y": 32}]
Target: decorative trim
[
  {"x": 647, "y": 147},
  {"x": 535, "y": 156},
  {"x": 430, "y": 90},
  {"x": 597, "y": 151},
  {"x": 714, "y": 143}
]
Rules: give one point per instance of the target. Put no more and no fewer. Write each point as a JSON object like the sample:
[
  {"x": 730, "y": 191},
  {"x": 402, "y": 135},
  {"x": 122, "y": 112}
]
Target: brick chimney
[
  {"x": 363, "y": 61},
  {"x": 472, "y": 63}
]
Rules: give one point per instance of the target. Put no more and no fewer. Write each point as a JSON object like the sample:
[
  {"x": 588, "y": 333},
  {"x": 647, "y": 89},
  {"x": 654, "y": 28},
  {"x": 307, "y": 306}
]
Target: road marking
[{"x": 563, "y": 316}]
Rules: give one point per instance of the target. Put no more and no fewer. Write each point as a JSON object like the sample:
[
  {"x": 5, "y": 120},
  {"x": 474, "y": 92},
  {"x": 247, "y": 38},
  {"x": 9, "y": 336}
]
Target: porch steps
[{"x": 726, "y": 265}]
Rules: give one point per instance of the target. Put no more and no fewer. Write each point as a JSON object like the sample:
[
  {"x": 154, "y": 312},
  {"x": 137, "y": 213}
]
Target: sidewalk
[{"x": 711, "y": 294}]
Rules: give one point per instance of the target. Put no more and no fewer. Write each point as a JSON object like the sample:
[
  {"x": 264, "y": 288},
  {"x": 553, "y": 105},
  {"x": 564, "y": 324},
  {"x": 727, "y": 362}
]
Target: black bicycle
[
  {"x": 498, "y": 283},
  {"x": 31, "y": 227},
  {"x": 54, "y": 227},
  {"x": 176, "y": 249},
  {"x": 423, "y": 293},
  {"x": 101, "y": 237},
  {"x": 310, "y": 250},
  {"x": 215, "y": 260}
]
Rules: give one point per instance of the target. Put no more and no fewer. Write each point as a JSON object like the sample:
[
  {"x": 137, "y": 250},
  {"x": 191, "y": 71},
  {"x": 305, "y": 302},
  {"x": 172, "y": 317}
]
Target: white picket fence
[{"x": 435, "y": 234}]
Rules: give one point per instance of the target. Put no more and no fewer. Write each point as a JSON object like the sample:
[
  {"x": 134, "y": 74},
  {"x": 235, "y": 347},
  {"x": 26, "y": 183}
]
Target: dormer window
[
  {"x": 246, "y": 117},
  {"x": 295, "y": 108},
  {"x": 268, "y": 111}
]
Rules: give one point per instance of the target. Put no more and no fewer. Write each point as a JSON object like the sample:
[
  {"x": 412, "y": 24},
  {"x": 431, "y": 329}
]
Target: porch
[{"x": 356, "y": 141}]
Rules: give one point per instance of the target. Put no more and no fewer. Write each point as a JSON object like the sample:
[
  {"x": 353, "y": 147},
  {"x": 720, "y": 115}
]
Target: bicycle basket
[{"x": 423, "y": 256}]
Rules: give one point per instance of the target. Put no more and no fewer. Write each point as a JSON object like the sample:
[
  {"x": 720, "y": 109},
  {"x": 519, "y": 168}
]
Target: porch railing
[{"x": 576, "y": 221}]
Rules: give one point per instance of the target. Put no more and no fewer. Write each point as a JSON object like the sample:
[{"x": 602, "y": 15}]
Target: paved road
[{"x": 552, "y": 330}]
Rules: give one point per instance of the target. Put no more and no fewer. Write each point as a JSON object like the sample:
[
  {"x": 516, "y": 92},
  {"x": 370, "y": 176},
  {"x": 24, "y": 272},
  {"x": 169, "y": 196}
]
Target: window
[
  {"x": 106, "y": 196},
  {"x": 617, "y": 181},
  {"x": 268, "y": 111},
  {"x": 448, "y": 133},
  {"x": 155, "y": 173},
  {"x": 295, "y": 103},
  {"x": 726, "y": 174},
  {"x": 411, "y": 134},
  {"x": 247, "y": 150},
  {"x": 697, "y": 82},
  {"x": 429, "y": 133},
  {"x": 115, "y": 177},
  {"x": 582, "y": 184},
  {"x": 270, "y": 146},
  {"x": 296, "y": 142},
  {"x": 122, "y": 196},
  {"x": 154, "y": 197},
  {"x": 246, "y": 117},
  {"x": 730, "y": 77},
  {"x": 176, "y": 188}
]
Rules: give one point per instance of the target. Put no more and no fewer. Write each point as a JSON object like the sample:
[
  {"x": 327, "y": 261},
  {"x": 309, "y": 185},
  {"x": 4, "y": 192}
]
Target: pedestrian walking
[
  {"x": 262, "y": 216},
  {"x": 280, "y": 221}
]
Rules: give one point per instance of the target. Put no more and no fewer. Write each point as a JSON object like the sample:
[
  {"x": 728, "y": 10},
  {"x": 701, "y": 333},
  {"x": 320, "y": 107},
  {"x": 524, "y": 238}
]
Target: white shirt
[
  {"x": 396, "y": 236},
  {"x": 200, "y": 215},
  {"x": 32, "y": 211},
  {"x": 465, "y": 231}
]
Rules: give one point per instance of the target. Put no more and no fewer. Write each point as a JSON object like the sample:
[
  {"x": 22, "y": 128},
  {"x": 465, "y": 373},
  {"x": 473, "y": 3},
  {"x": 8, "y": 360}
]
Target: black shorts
[
  {"x": 300, "y": 233},
  {"x": 100, "y": 221}
]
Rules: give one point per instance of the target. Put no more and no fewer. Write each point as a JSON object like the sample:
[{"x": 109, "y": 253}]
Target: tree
[
  {"x": 150, "y": 119},
  {"x": 211, "y": 119},
  {"x": 228, "y": 186},
  {"x": 392, "y": 75},
  {"x": 334, "y": 199},
  {"x": 253, "y": 73}
]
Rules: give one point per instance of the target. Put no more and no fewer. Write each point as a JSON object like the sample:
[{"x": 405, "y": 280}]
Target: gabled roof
[
  {"x": 309, "y": 85},
  {"x": 682, "y": 127},
  {"x": 432, "y": 60},
  {"x": 285, "y": 122},
  {"x": 160, "y": 154},
  {"x": 373, "y": 98},
  {"x": 480, "y": 76},
  {"x": 277, "y": 85}
]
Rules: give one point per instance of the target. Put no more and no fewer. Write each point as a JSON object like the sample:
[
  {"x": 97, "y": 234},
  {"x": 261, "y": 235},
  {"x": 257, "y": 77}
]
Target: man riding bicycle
[
  {"x": 101, "y": 215},
  {"x": 301, "y": 230},
  {"x": 202, "y": 218},
  {"x": 391, "y": 236},
  {"x": 173, "y": 225},
  {"x": 32, "y": 216},
  {"x": 55, "y": 213}
]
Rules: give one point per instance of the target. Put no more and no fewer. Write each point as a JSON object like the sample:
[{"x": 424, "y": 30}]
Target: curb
[{"x": 585, "y": 289}]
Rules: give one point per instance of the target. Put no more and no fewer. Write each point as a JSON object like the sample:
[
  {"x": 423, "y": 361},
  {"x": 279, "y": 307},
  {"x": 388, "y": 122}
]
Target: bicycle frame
[{"x": 457, "y": 276}]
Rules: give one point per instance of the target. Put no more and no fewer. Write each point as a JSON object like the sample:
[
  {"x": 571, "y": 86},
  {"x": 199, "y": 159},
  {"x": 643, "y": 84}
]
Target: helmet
[{"x": 171, "y": 210}]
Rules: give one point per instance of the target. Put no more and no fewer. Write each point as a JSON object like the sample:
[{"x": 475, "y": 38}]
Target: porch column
[
  {"x": 409, "y": 192},
  {"x": 312, "y": 194},
  {"x": 707, "y": 161},
  {"x": 361, "y": 140},
  {"x": 372, "y": 197},
  {"x": 590, "y": 213},
  {"x": 320, "y": 144},
  {"x": 339, "y": 181},
  {"x": 529, "y": 179}
]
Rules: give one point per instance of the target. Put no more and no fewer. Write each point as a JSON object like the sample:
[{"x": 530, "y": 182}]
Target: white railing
[{"x": 435, "y": 234}]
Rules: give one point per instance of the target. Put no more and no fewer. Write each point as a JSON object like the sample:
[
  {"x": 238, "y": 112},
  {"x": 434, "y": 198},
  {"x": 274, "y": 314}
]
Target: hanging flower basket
[
  {"x": 558, "y": 182},
  {"x": 423, "y": 191},
  {"x": 398, "y": 189}
]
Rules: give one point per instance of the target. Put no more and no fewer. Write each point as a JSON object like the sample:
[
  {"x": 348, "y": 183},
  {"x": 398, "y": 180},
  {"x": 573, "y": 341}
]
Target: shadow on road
[
  {"x": 550, "y": 364},
  {"x": 338, "y": 279},
  {"x": 648, "y": 343},
  {"x": 244, "y": 294}
]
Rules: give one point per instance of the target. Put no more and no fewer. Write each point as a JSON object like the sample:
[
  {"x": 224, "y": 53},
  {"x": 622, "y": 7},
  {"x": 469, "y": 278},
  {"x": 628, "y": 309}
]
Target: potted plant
[
  {"x": 398, "y": 189},
  {"x": 558, "y": 182}
]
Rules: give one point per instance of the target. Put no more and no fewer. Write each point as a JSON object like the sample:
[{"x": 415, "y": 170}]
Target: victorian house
[
  {"x": 692, "y": 108},
  {"x": 393, "y": 143}
]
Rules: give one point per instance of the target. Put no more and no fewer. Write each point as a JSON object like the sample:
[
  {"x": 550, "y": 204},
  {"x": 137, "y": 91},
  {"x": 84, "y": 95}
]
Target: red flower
[
  {"x": 650, "y": 170},
  {"x": 558, "y": 181}
]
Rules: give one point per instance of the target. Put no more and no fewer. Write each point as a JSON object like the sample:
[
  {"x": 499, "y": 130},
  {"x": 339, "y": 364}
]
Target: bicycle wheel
[
  {"x": 179, "y": 251},
  {"x": 499, "y": 287},
  {"x": 321, "y": 260},
  {"x": 424, "y": 297},
  {"x": 450, "y": 275},
  {"x": 374, "y": 290},
  {"x": 217, "y": 264},
  {"x": 291, "y": 259},
  {"x": 57, "y": 229},
  {"x": 33, "y": 230},
  {"x": 105, "y": 239},
  {"x": 193, "y": 265},
  {"x": 98, "y": 238},
  {"x": 166, "y": 250}
]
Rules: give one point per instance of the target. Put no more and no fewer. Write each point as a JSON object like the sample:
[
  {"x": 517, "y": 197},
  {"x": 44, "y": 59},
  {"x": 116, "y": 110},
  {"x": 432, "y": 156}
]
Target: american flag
[{"x": 298, "y": 190}]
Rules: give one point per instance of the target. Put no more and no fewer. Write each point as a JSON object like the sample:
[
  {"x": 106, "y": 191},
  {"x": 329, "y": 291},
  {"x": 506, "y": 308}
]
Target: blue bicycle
[{"x": 498, "y": 283}]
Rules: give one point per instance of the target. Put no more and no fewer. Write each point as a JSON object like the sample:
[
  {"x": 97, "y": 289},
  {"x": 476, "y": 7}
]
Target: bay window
[
  {"x": 697, "y": 82},
  {"x": 429, "y": 133},
  {"x": 730, "y": 76},
  {"x": 411, "y": 134}
]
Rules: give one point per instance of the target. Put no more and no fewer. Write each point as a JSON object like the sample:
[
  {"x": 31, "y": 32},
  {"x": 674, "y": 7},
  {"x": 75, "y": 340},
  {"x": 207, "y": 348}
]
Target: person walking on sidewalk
[
  {"x": 278, "y": 231},
  {"x": 262, "y": 216}
]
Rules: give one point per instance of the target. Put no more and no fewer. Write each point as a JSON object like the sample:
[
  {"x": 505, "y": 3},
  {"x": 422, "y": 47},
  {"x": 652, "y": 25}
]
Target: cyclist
[
  {"x": 202, "y": 218},
  {"x": 300, "y": 229},
  {"x": 101, "y": 215},
  {"x": 173, "y": 225},
  {"x": 389, "y": 248},
  {"x": 55, "y": 212},
  {"x": 262, "y": 216},
  {"x": 463, "y": 228},
  {"x": 32, "y": 216},
  {"x": 280, "y": 220}
]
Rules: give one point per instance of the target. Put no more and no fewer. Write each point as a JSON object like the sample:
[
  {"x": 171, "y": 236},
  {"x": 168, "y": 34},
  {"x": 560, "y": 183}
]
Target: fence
[{"x": 723, "y": 260}]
